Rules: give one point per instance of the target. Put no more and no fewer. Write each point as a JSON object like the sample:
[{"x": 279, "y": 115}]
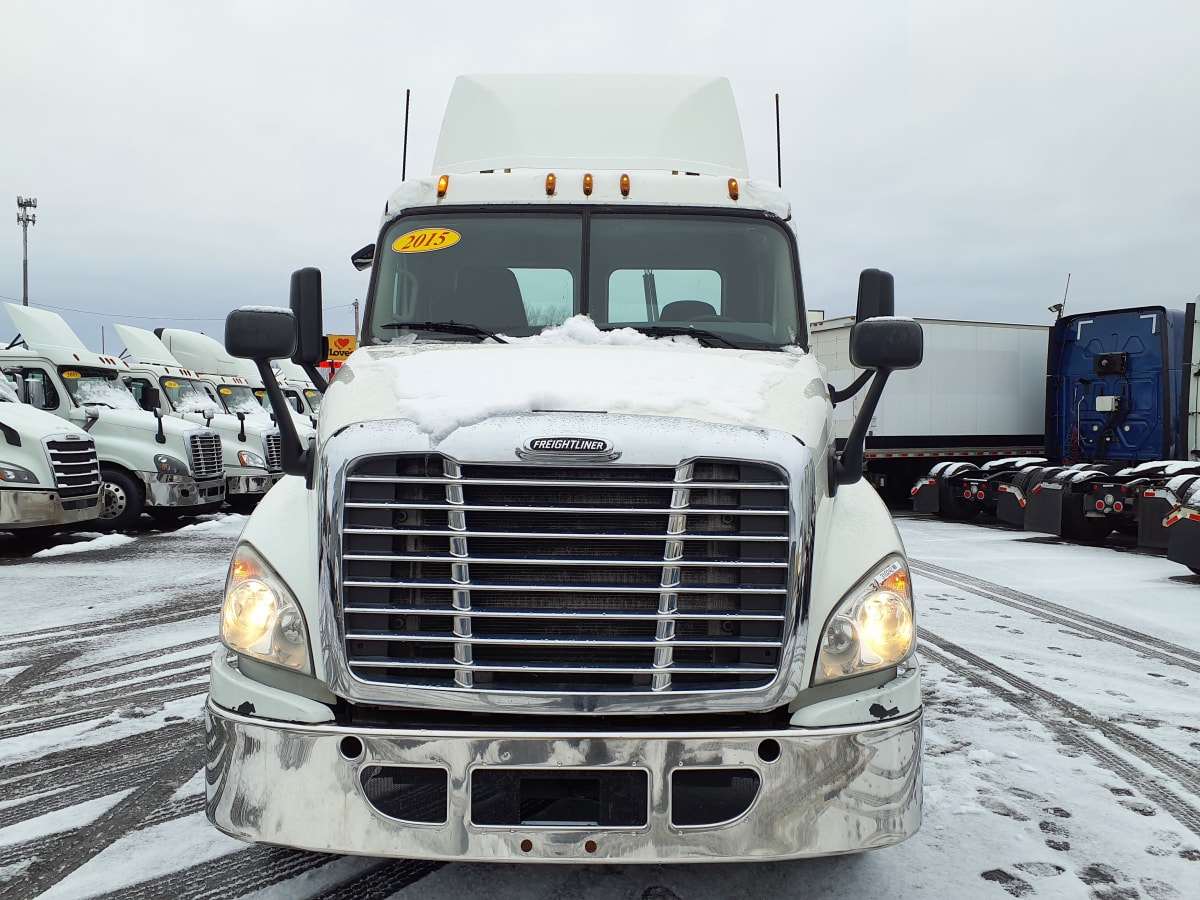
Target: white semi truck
[
  {"x": 573, "y": 571},
  {"x": 49, "y": 471},
  {"x": 148, "y": 463},
  {"x": 251, "y": 445}
]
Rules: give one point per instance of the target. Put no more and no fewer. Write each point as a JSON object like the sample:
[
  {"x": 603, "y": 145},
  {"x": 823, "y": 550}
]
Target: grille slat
[
  {"x": 76, "y": 466},
  {"x": 204, "y": 451},
  {"x": 568, "y": 580},
  {"x": 273, "y": 445}
]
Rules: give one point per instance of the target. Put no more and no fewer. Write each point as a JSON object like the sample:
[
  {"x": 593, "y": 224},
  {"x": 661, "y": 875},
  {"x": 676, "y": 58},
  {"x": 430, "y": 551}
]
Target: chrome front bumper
[
  {"x": 821, "y": 791},
  {"x": 182, "y": 490},
  {"x": 238, "y": 485},
  {"x": 40, "y": 509}
]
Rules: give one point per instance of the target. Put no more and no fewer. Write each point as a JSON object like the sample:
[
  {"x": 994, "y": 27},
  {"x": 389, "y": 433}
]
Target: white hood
[{"x": 441, "y": 387}]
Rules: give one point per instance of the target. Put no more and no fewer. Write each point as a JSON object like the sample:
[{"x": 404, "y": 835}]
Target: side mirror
[
  {"x": 151, "y": 400},
  {"x": 876, "y": 294},
  {"x": 363, "y": 258},
  {"x": 260, "y": 333},
  {"x": 886, "y": 344},
  {"x": 306, "y": 308}
]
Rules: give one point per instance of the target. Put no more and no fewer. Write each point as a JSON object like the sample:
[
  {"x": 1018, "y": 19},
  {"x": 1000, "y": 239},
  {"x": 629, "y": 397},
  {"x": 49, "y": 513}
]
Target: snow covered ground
[{"x": 1062, "y": 746}]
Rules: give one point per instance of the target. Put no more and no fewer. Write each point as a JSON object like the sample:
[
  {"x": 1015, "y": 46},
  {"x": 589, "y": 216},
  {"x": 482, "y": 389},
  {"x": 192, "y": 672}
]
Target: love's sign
[{"x": 340, "y": 346}]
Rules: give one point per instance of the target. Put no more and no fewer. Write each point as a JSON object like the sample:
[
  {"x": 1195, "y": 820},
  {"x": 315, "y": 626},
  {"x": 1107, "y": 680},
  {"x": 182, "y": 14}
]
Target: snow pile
[
  {"x": 105, "y": 394},
  {"x": 7, "y": 391},
  {"x": 197, "y": 403},
  {"x": 104, "y": 542},
  {"x": 582, "y": 330}
]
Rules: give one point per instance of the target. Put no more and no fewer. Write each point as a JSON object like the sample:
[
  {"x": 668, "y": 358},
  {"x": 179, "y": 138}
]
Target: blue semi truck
[{"x": 1120, "y": 439}]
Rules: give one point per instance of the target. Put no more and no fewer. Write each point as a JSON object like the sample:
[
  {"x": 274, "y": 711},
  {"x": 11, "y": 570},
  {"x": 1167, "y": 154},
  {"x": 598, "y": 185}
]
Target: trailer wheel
[
  {"x": 121, "y": 501},
  {"x": 953, "y": 506}
]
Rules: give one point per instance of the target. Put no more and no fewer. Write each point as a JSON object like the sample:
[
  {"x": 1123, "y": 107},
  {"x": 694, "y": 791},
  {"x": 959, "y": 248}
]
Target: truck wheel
[
  {"x": 121, "y": 501},
  {"x": 952, "y": 505}
]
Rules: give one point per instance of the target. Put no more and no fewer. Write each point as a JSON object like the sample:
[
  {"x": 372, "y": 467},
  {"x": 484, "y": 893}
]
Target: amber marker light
[
  {"x": 624, "y": 185},
  {"x": 443, "y": 184},
  {"x": 587, "y": 185},
  {"x": 733, "y": 189},
  {"x": 551, "y": 181}
]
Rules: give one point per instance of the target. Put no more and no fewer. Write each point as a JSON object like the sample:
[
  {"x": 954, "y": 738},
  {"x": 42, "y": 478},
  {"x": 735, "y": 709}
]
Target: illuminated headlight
[
  {"x": 11, "y": 474},
  {"x": 251, "y": 459},
  {"x": 872, "y": 628},
  {"x": 260, "y": 617},
  {"x": 169, "y": 465}
]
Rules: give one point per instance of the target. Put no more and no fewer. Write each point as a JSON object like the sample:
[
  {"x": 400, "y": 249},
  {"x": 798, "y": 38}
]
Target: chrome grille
[
  {"x": 76, "y": 466},
  {"x": 274, "y": 450},
  {"x": 204, "y": 452},
  {"x": 564, "y": 580}
]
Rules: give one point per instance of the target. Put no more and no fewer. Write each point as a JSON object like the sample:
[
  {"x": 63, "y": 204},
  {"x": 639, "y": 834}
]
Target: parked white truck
[
  {"x": 148, "y": 463},
  {"x": 573, "y": 571},
  {"x": 251, "y": 446},
  {"x": 49, "y": 471}
]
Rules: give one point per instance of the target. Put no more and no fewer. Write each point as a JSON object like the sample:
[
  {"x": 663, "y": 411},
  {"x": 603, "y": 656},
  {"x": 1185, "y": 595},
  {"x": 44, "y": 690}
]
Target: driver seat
[
  {"x": 490, "y": 297},
  {"x": 685, "y": 311}
]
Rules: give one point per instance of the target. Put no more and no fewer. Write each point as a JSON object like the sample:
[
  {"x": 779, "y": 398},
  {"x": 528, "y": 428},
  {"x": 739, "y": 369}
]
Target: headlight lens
[
  {"x": 11, "y": 474},
  {"x": 260, "y": 617},
  {"x": 169, "y": 465},
  {"x": 252, "y": 459},
  {"x": 872, "y": 628}
]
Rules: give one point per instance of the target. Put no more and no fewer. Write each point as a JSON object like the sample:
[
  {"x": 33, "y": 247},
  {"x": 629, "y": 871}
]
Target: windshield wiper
[
  {"x": 447, "y": 328},
  {"x": 703, "y": 335}
]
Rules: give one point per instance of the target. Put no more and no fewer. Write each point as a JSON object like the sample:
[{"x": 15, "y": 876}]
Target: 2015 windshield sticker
[
  {"x": 171, "y": 384},
  {"x": 71, "y": 373},
  {"x": 424, "y": 240},
  {"x": 226, "y": 391}
]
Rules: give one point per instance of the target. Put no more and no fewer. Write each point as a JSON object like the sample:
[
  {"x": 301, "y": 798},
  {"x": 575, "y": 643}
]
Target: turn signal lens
[
  {"x": 587, "y": 185},
  {"x": 551, "y": 182},
  {"x": 443, "y": 184},
  {"x": 624, "y": 185},
  {"x": 733, "y": 189}
]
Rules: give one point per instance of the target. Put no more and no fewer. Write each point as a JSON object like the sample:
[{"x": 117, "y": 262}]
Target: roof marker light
[
  {"x": 551, "y": 182},
  {"x": 733, "y": 189},
  {"x": 624, "y": 185},
  {"x": 443, "y": 184},
  {"x": 587, "y": 185}
]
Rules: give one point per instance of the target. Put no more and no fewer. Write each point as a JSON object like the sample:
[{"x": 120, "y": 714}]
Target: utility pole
[
  {"x": 25, "y": 218},
  {"x": 355, "y": 304}
]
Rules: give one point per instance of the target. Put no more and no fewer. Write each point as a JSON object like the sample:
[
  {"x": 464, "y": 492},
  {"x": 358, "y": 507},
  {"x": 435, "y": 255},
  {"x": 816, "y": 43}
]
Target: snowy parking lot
[{"x": 1062, "y": 743}]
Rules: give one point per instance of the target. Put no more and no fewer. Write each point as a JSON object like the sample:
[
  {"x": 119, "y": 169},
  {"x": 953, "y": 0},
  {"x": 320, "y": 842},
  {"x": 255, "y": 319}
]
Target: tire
[
  {"x": 952, "y": 506},
  {"x": 121, "y": 500}
]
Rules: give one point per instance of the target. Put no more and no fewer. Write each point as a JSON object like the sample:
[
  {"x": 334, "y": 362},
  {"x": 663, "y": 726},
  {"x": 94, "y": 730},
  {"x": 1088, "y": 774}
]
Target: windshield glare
[
  {"x": 516, "y": 273},
  {"x": 99, "y": 387},
  {"x": 186, "y": 395}
]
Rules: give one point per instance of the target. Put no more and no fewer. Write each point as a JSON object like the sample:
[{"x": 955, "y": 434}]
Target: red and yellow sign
[{"x": 340, "y": 346}]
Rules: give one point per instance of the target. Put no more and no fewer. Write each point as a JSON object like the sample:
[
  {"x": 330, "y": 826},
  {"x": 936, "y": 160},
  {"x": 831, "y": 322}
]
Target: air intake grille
[
  {"x": 204, "y": 450},
  {"x": 564, "y": 580},
  {"x": 76, "y": 466},
  {"x": 274, "y": 448}
]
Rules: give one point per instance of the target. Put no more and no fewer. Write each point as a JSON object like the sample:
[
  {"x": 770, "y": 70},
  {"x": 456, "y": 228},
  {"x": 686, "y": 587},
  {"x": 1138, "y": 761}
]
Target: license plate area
[{"x": 560, "y": 798}]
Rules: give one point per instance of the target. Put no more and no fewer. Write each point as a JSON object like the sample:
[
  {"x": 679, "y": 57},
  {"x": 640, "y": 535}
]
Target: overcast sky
[{"x": 188, "y": 156}]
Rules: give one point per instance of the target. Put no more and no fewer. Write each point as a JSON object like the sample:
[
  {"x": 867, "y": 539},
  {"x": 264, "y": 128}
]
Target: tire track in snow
[
  {"x": 1073, "y": 725},
  {"x": 1148, "y": 645},
  {"x": 180, "y": 611}
]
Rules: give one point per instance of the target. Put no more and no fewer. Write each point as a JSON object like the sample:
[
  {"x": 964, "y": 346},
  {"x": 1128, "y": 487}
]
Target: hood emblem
[{"x": 564, "y": 448}]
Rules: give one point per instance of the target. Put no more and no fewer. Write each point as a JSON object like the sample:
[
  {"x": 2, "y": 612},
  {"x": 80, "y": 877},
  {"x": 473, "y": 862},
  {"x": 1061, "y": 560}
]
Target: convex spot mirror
[
  {"x": 886, "y": 343},
  {"x": 260, "y": 333},
  {"x": 876, "y": 294}
]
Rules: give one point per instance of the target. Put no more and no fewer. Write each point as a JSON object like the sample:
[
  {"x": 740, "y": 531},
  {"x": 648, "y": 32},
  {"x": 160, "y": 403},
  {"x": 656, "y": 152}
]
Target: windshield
[
  {"x": 314, "y": 399},
  {"x": 188, "y": 395},
  {"x": 516, "y": 273},
  {"x": 240, "y": 398},
  {"x": 97, "y": 387}
]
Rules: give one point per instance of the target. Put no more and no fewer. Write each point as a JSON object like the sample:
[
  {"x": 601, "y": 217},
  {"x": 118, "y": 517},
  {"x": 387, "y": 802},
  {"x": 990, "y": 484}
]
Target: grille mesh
[
  {"x": 76, "y": 466},
  {"x": 274, "y": 448},
  {"x": 564, "y": 580},
  {"x": 204, "y": 450}
]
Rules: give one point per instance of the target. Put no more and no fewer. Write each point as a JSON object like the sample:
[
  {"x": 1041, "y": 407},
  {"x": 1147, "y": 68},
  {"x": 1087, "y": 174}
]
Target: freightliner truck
[
  {"x": 164, "y": 466},
  {"x": 573, "y": 571},
  {"x": 49, "y": 471}
]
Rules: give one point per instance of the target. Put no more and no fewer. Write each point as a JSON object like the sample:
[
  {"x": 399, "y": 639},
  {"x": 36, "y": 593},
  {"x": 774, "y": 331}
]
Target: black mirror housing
[
  {"x": 260, "y": 333},
  {"x": 887, "y": 344},
  {"x": 306, "y": 308},
  {"x": 364, "y": 258},
  {"x": 876, "y": 294}
]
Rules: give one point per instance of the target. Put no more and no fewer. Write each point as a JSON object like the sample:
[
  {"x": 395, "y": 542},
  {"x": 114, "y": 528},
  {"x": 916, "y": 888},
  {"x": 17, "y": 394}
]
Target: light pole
[{"x": 25, "y": 218}]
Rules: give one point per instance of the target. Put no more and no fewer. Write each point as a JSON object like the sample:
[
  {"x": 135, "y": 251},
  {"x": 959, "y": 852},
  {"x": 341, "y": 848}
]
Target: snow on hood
[
  {"x": 442, "y": 387},
  {"x": 8, "y": 393},
  {"x": 34, "y": 423}
]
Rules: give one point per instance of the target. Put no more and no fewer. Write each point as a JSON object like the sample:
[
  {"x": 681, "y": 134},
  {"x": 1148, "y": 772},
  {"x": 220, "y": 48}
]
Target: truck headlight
[
  {"x": 251, "y": 459},
  {"x": 872, "y": 628},
  {"x": 11, "y": 474},
  {"x": 169, "y": 465},
  {"x": 260, "y": 617}
]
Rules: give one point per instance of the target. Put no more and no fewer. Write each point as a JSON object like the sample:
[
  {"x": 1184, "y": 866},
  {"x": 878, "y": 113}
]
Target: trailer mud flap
[
  {"x": 1183, "y": 544},
  {"x": 1044, "y": 508},
  {"x": 1010, "y": 507},
  {"x": 925, "y": 496},
  {"x": 1150, "y": 514}
]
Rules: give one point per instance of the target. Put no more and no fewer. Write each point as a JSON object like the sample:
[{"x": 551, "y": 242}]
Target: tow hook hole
[
  {"x": 768, "y": 750},
  {"x": 351, "y": 748},
  {"x": 526, "y": 845},
  {"x": 590, "y": 846}
]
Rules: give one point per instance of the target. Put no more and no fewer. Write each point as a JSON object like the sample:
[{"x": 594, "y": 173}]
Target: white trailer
[
  {"x": 977, "y": 396},
  {"x": 573, "y": 572}
]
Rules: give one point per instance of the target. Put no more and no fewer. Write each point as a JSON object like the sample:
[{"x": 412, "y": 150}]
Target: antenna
[
  {"x": 404, "y": 157},
  {"x": 778, "y": 145},
  {"x": 1058, "y": 308}
]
